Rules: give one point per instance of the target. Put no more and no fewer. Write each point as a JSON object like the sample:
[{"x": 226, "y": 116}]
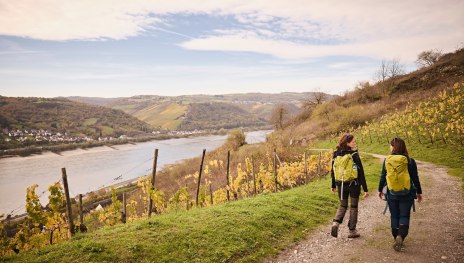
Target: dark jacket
[
  {"x": 361, "y": 178},
  {"x": 412, "y": 169}
]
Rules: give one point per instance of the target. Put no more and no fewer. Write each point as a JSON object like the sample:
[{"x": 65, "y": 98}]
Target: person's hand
[
  {"x": 380, "y": 194},
  {"x": 366, "y": 194},
  {"x": 419, "y": 198},
  {"x": 334, "y": 190}
]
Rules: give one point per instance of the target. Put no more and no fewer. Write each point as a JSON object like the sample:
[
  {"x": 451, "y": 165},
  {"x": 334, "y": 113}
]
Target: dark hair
[
  {"x": 344, "y": 140},
  {"x": 399, "y": 146}
]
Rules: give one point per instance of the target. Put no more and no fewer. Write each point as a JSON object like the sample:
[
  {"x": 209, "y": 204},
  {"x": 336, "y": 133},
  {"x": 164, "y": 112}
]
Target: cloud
[
  {"x": 72, "y": 20},
  {"x": 404, "y": 48},
  {"x": 12, "y": 48},
  {"x": 282, "y": 28}
]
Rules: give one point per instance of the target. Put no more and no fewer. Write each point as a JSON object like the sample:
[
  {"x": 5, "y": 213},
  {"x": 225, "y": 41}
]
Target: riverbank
[
  {"x": 58, "y": 148},
  {"x": 35, "y": 149}
]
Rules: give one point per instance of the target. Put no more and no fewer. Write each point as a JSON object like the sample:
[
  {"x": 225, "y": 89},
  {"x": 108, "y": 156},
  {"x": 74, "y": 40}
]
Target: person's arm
[
  {"x": 415, "y": 178},
  {"x": 332, "y": 173},
  {"x": 383, "y": 179},
  {"x": 361, "y": 176}
]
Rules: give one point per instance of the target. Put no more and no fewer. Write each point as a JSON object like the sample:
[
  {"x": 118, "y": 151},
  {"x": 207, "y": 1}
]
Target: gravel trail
[{"x": 436, "y": 232}]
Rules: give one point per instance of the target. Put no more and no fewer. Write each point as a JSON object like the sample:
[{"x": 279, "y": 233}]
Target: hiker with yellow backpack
[
  {"x": 399, "y": 174},
  {"x": 348, "y": 177}
]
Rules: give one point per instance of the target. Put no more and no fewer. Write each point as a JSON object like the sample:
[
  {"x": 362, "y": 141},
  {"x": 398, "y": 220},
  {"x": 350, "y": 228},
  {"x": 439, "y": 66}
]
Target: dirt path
[{"x": 436, "y": 232}]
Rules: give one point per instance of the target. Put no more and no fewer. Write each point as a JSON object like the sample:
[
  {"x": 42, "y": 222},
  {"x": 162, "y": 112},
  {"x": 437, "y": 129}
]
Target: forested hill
[
  {"x": 65, "y": 116},
  {"x": 217, "y": 116},
  {"x": 247, "y": 110}
]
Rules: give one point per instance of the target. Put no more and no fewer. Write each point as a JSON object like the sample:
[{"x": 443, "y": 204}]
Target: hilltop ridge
[{"x": 249, "y": 110}]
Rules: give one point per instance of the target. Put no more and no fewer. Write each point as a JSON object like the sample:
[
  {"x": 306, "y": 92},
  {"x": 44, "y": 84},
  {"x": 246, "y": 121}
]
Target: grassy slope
[
  {"x": 246, "y": 231},
  {"x": 166, "y": 115}
]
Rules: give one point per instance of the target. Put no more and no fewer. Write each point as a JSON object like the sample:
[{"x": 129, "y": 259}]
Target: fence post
[
  {"x": 248, "y": 183},
  {"x": 199, "y": 175},
  {"x": 188, "y": 201},
  {"x": 253, "y": 173},
  {"x": 124, "y": 209},
  {"x": 227, "y": 178},
  {"x": 68, "y": 201},
  {"x": 211, "y": 193},
  {"x": 305, "y": 168},
  {"x": 153, "y": 175},
  {"x": 319, "y": 167},
  {"x": 275, "y": 170},
  {"x": 81, "y": 212}
]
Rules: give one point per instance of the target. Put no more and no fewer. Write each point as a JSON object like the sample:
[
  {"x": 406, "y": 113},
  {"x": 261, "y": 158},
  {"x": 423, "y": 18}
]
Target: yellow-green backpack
[
  {"x": 398, "y": 180},
  {"x": 345, "y": 169}
]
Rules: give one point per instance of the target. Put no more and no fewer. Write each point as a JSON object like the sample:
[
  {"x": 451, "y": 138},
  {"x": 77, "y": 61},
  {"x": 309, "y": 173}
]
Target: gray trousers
[{"x": 351, "y": 192}]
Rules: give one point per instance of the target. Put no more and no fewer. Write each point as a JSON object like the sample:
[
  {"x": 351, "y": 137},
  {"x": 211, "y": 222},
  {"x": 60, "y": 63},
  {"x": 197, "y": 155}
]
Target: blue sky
[{"x": 125, "y": 48}]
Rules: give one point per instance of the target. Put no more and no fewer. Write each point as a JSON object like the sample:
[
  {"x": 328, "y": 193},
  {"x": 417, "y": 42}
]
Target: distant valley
[
  {"x": 200, "y": 112},
  {"x": 53, "y": 121}
]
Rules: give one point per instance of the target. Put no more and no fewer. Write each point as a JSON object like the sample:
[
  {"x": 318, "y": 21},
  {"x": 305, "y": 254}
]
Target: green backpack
[
  {"x": 345, "y": 169},
  {"x": 398, "y": 180}
]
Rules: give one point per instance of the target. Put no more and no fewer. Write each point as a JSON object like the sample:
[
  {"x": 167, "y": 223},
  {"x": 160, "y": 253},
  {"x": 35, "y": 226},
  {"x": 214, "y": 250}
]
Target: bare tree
[
  {"x": 428, "y": 57},
  {"x": 315, "y": 98},
  {"x": 382, "y": 73},
  {"x": 278, "y": 115},
  {"x": 395, "y": 69},
  {"x": 389, "y": 69}
]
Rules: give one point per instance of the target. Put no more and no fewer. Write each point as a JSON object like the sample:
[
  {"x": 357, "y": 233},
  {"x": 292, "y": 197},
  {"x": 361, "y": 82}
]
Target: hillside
[
  {"x": 251, "y": 110},
  {"x": 27, "y": 121},
  {"x": 217, "y": 116},
  {"x": 369, "y": 102}
]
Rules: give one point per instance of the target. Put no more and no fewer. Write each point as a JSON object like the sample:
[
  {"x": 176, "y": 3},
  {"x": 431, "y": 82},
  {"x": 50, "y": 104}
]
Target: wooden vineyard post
[
  {"x": 305, "y": 167},
  {"x": 319, "y": 168},
  {"x": 124, "y": 208},
  {"x": 68, "y": 201},
  {"x": 253, "y": 173},
  {"x": 248, "y": 184},
  {"x": 227, "y": 178},
  {"x": 153, "y": 176},
  {"x": 188, "y": 201},
  {"x": 211, "y": 193},
  {"x": 275, "y": 170},
  {"x": 199, "y": 175},
  {"x": 81, "y": 212}
]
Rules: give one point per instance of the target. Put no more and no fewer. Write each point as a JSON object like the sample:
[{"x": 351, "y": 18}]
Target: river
[{"x": 94, "y": 168}]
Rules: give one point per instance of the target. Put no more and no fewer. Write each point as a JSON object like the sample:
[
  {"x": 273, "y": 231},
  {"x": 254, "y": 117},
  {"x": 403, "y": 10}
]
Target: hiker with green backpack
[
  {"x": 399, "y": 175},
  {"x": 348, "y": 177}
]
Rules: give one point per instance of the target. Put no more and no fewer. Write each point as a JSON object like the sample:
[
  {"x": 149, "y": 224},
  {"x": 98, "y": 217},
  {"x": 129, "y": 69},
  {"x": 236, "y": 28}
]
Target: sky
[{"x": 120, "y": 48}]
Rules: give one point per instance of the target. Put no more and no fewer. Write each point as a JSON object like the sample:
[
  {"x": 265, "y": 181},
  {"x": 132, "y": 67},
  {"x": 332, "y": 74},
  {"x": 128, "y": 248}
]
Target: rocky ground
[{"x": 436, "y": 231}]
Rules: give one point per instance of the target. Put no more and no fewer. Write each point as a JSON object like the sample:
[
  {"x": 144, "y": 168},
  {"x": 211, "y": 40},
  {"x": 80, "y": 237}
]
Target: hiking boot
[
  {"x": 398, "y": 245},
  {"x": 353, "y": 234},
  {"x": 334, "y": 231}
]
